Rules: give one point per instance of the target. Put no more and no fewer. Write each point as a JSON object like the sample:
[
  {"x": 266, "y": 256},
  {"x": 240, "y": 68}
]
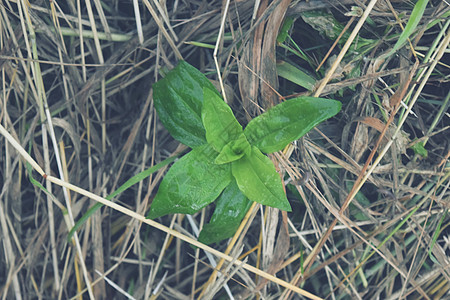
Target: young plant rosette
[{"x": 226, "y": 164}]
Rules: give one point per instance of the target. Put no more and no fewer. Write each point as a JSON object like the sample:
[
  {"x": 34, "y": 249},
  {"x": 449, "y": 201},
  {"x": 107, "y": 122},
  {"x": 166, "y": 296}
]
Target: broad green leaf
[
  {"x": 231, "y": 207},
  {"x": 178, "y": 99},
  {"x": 234, "y": 150},
  {"x": 220, "y": 124},
  {"x": 288, "y": 121},
  {"x": 295, "y": 75},
  {"x": 190, "y": 184},
  {"x": 257, "y": 178}
]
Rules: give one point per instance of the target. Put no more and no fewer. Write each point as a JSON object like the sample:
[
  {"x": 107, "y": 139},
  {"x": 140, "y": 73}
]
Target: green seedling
[
  {"x": 419, "y": 148},
  {"x": 226, "y": 163}
]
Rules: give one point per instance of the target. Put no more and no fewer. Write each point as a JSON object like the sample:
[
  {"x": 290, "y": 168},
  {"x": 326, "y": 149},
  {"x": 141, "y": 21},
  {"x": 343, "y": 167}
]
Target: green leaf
[
  {"x": 231, "y": 207},
  {"x": 234, "y": 150},
  {"x": 288, "y": 121},
  {"x": 295, "y": 75},
  {"x": 414, "y": 19},
  {"x": 178, "y": 99},
  {"x": 191, "y": 183},
  {"x": 420, "y": 149},
  {"x": 220, "y": 124},
  {"x": 257, "y": 178},
  {"x": 435, "y": 237},
  {"x": 284, "y": 31}
]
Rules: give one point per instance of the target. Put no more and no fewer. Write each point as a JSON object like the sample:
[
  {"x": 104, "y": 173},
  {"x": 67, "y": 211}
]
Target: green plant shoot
[{"x": 226, "y": 163}]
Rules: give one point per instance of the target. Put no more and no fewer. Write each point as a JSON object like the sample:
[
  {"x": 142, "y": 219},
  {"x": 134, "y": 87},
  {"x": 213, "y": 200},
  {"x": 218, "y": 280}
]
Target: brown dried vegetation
[{"x": 369, "y": 216}]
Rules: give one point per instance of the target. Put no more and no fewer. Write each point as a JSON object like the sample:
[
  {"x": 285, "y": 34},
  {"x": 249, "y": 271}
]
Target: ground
[{"x": 368, "y": 188}]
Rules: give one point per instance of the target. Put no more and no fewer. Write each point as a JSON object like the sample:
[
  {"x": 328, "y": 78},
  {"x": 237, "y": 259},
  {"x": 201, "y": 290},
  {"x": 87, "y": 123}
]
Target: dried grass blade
[{"x": 168, "y": 230}]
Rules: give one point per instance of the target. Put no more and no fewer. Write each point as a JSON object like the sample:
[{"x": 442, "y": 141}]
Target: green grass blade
[
  {"x": 284, "y": 31},
  {"x": 37, "y": 184},
  {"x": 130, "y": 182},
  {"x": 200, "y": 44},
  {"x": 435, "y": 237},
  {"x": 295, "y": 75},
  {"x": 413, "y": 21}
]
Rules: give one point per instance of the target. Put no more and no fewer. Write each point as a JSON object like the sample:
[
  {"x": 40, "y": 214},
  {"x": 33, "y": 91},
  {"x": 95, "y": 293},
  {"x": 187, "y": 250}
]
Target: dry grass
[{"x": 370, "y": 217}]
